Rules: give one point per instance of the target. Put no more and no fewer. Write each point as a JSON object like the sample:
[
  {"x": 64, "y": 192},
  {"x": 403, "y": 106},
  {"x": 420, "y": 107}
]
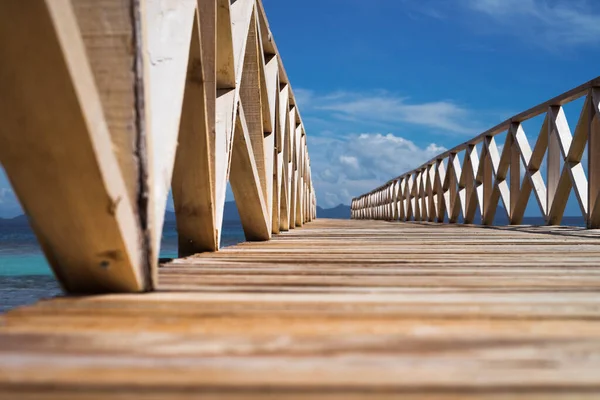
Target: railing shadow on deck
[
  {"x": 444, "y": 190},
  {"x": 101, "y": 120},
  {"x": 555, "y": 230}
]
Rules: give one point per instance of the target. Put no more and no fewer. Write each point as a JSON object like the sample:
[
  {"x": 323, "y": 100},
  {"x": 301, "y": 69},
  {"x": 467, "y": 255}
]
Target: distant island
[
  {"x": 339, "y": 212},
  {"x": 230, "y": 215}
]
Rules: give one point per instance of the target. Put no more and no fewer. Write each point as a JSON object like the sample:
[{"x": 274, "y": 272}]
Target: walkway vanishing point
[{"x": 105, "y": 105}]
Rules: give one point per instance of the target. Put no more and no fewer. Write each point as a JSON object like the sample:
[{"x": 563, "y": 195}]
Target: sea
[{"x": 25, "y": 276}]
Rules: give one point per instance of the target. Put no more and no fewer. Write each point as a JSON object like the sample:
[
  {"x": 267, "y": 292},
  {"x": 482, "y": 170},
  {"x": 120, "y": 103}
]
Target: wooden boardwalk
[{"x": 337, "y": 309}]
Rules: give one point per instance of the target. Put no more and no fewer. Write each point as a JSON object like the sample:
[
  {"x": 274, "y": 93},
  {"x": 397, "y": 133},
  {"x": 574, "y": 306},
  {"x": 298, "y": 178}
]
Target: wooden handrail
[
  {"x": 101, "y": 120},
  {"x": 431, "y": 193}
]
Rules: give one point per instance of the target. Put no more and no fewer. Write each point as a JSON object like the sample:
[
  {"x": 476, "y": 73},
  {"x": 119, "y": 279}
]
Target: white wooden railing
[
  {"x": 443, "y": 190},
  {"x": 106, "y": 105}
]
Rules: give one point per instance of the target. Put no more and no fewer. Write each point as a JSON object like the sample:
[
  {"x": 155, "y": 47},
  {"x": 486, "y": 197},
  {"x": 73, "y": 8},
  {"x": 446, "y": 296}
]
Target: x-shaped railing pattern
[
  {"x": 106, "y": 106},
  {"x": 444, "y": 188}
]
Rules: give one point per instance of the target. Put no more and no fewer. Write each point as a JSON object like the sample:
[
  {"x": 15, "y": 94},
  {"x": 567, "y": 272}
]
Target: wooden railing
[
  {"x": 442, "y": 190},
  {"x": 106, "y": 105}
]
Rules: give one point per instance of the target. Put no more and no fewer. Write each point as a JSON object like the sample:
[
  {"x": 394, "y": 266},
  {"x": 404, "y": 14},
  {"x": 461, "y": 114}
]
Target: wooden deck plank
[{"x": 337, "y": 310}]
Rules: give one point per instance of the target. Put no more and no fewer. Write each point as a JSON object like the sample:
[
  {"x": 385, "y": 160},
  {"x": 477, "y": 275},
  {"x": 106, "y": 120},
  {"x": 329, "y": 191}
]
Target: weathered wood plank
[
  {"x": 79, "y": 195},
  {"x": 245, "y": 184},
  {"x": 167, "y": 33},
  {"x": 340, "y": 309},
  {"x": 193, "y": 181}
]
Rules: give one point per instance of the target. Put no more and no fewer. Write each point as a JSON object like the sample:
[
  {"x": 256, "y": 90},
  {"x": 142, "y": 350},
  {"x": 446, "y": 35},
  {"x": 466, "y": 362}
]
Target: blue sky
[{"x": 384, "y": 85}]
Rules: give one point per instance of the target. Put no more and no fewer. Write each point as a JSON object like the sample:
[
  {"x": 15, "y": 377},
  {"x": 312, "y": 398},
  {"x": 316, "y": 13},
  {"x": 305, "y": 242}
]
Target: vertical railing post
[
  {"x": 515, "y": 174},
  {"x": 553, "y": 163},
  {"x": 395, "y": 186},
  {"x": 594, "y": 161},
  {"x": 440, "y": 170},
  {"x": 454, "y": 209}
]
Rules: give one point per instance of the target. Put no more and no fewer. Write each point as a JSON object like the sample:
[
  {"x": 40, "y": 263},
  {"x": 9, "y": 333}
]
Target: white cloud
[
  {"x": 386, "y": 111},
  {"x": 9, "y": 204},
  {"x": 349, "y": 161},
  {"x": 345, "y": 167},
  {"x": 549, "y": 23},
  {"x": 6, "y": 195},
  {"x": 303, "y": 97}
]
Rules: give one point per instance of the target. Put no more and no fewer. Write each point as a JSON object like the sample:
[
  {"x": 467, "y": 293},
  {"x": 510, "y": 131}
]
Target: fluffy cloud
[
  {"x": 385, "y": 110},
  {"x": 549, "y": 23},
  {"x": 347, "y": 166}
]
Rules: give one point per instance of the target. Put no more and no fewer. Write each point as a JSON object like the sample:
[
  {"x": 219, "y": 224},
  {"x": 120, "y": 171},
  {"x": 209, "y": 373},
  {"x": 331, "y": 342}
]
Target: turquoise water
[
  {"x": 25, "y": 276},
  {"x": 23, "y": 265},
  {"x": 20, "y": 255}
]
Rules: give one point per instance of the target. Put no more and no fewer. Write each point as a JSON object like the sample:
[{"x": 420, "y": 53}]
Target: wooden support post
[
  {"x": 193, "y": 183},
  {"x": 562, "y": 134},
  {"x": 423, "y": 195},
  {"x": 251, "y": 96},
  {"x": 521, "y": 145},
  {"x": 199, "y": 172},
  {"x": 277, "y": 192},
  {"x": 414, "y": 194},
  {"x": 453, "y": 178},
  {"x": 440, "y": 178},
  {"x": 245, "y": 183},
  {"x": 401, "y": 199},
  {"x": 491, "y": 192},
  {"x": 84, "y": 201},
  {"x": 431, "y": 197},
  {"x": 408, "y": 197},
  {"x": 273, "y": 143},
  {"x": 165, "y": 63},
  {"x": 487, "y": 186},
  {"x": 283, "y": 134},
  {"x": 553, "y": 167},
  {"x": 515, "y": 175},
  {"x": 594, "y": 161},
  {"x": 300, "y": 176},
  {"x": 391, "y": 202},
  {"x": 534, "y": 159},
  {"x": 574, "y": 155},
  {"x": 292, "y": 169},
  {"x": 395, "y": 210},
  {"x": 469, "y": 172}
]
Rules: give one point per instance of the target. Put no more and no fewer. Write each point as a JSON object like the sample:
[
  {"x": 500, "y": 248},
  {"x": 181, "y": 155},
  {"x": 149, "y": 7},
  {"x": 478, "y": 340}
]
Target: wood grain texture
[
  {"x": 107, "y": 30},
  {"x": 193, "y": 181},
  {"x": 107, "y": 105},
  {"x": 337, "y": 309},
  {"x": 245, "y": 184},
  {"x": 60, "y": 159},
  {"x": 167, "y": 29}
]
